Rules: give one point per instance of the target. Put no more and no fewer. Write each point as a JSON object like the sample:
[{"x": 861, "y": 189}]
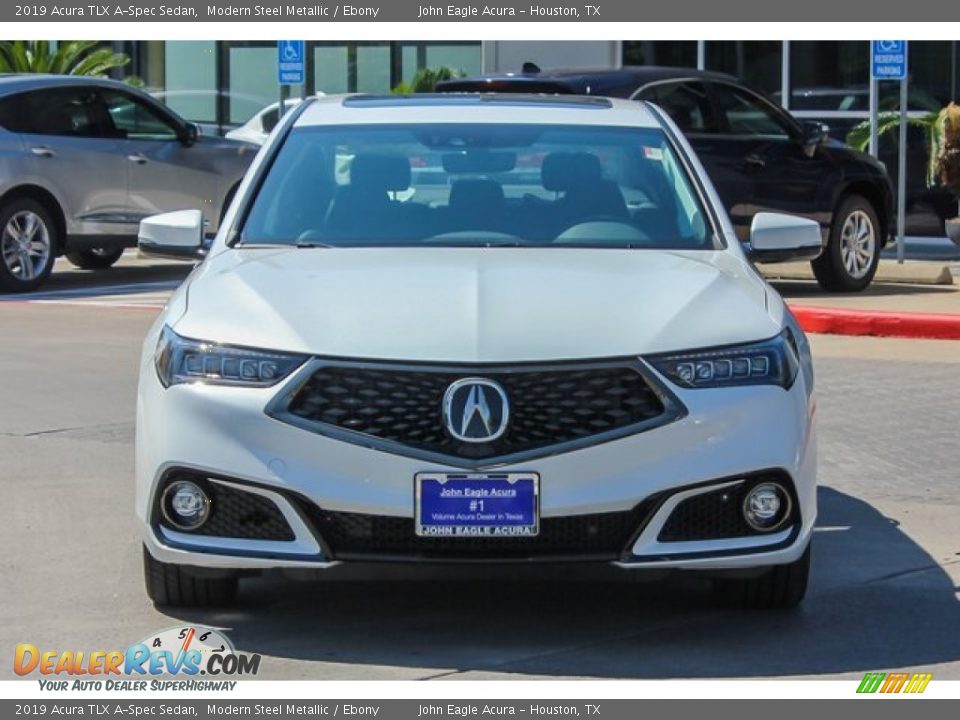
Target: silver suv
[{"x": 83, "y": 160}]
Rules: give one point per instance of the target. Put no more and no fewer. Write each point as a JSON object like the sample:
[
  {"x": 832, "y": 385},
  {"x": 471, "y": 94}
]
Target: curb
[
  {"x": 912, "y": 272},
  {"x": 831, "y": 321}
]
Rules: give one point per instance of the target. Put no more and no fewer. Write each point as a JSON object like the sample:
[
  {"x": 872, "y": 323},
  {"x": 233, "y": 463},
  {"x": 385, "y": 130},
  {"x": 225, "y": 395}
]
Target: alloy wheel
[
  {"x": 25, "y": 245},
  {"x": 858, "y": 244}
]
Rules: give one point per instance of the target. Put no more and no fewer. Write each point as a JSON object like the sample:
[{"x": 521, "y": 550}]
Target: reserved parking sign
[
  {"x": 290, "y": 62},
  {"x": 889, "y": 60}
]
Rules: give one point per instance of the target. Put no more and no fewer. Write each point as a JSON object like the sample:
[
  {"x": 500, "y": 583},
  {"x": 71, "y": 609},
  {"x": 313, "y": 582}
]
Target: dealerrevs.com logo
[{"x": 185, "y": 652}]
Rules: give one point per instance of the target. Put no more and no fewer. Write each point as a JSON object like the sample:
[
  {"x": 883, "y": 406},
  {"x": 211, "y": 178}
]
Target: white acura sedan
[{"x": 476, "y": 329}]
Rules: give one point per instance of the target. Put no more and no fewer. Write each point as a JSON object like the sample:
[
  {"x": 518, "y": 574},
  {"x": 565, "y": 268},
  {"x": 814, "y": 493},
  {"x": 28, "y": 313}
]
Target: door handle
[
  {"x": 755, "y": 160},
  {"x": 139, "y": 159},
  {"x": 42, "y": 151}
]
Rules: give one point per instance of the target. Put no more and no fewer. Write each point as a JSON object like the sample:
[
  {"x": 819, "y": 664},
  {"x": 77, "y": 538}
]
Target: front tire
[
  {"x": 781, "y": 587},
  {"x": 849, "y": 261},
  {"x": 173, "y": 586},
  {"x": 28, "y": 243},
  {"x": 95, "y": 258}
]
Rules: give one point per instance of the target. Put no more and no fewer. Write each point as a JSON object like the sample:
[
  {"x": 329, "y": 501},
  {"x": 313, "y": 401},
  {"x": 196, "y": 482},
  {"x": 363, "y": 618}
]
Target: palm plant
[
  {"x": 425, "y": 80},
  {"x": 932, "y": 124},
  {"x": 942, "y": 130},
  {"x": 77, "y": 57}
]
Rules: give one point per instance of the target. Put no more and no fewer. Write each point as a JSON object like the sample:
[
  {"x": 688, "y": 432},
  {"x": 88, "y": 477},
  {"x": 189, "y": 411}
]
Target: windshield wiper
[{"x": 312, "y": 244}]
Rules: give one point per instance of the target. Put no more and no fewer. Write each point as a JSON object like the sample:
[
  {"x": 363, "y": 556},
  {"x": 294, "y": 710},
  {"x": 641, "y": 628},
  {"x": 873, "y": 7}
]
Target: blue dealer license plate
[{"x": 488, "y": 505}]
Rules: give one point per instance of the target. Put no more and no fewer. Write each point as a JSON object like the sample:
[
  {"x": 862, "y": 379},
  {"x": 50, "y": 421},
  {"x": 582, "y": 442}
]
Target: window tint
[
  {"x": 746, "y": 114},
  {"x": 478, "y": 185},
  {"x": 70, "y": 112},
  {"x": 269, "y": 119},
  {"x": 686, "y": 103},
  {"x": 8, "y": 112},
  {"x": 134, "y": 120}
]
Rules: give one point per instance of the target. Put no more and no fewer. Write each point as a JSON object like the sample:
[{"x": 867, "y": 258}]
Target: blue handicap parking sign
[
  {"x": 290, "y": 62},
  {"x": 889, "y": 60}
]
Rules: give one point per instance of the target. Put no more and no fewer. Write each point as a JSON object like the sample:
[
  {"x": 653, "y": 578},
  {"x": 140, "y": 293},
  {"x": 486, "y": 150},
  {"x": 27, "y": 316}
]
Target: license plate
[{"x": 487, "y": 505}]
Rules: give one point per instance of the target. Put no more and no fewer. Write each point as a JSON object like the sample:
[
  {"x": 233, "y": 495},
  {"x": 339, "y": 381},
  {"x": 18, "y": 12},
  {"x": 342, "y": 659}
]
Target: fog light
[
  {"x": 766, "y": 506},
  {"x": 185, "y": 505}
]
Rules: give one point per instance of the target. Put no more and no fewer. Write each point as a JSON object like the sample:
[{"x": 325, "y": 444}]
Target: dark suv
[{"x": 759, "y": 157}]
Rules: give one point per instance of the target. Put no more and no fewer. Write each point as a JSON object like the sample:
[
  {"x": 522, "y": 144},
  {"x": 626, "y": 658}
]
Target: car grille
[
  {"x": 601, "y": 536},
  {"x": 238, "y": 514},
  {"x": 548, "y": 407}
]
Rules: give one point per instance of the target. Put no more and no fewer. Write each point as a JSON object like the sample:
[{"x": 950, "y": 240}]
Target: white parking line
[
  {"x": 139, "y": 295},
  {"x": 119, "y": 301},
  {"x": 98, "y": 291}
]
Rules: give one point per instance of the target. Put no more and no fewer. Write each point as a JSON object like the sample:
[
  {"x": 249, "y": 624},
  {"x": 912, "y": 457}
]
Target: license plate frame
[{"x": 510, "y": 516}]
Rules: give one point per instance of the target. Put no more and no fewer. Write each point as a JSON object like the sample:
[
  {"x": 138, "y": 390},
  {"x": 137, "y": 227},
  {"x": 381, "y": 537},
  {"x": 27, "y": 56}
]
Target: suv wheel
[
  {"x": 95, "y": 258},
  {"x": 849, "y": 261},
  {"x": 782, "y": 586},
  {"x": 172, "y": 585},
  {"x": 28, "y": 242}
]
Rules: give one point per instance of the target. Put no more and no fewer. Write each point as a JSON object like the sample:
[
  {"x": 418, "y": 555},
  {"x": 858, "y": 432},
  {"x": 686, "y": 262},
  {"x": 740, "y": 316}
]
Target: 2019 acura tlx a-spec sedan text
[{"x": 476, "y": 329}]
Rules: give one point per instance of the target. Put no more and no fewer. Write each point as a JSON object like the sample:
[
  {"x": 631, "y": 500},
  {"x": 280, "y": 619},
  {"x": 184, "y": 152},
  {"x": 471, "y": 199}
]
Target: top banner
[{"x": 502, "y": 11}]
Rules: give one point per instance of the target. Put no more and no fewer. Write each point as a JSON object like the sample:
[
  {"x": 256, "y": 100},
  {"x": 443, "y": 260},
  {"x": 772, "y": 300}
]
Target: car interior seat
[
  {"x": 476, "y": 203},
  {"x": 585, "y": 193},
  {"x": 363, "y": 209}
]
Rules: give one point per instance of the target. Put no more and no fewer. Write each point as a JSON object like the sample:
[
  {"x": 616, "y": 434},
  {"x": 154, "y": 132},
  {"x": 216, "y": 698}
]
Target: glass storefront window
[
  {"x": 829, "y": 75},
  {"x": 756, "y": 62},
  {"x": 373, "y": 68},
  {"x": 253, "y": 81},
  {"x": 409, "y": 55},
  {"x": 464, "y": 58},
  {"x": 931, "y": 66},
  {"x": 660, "y": 52},
  {"x": 189, "y": 82},
  {"x": 331, "y": 72}
]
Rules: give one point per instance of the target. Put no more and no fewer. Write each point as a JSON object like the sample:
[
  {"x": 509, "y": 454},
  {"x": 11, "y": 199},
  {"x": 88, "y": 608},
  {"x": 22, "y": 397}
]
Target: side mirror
[
  {"x": 776, "y": 238},
  {"x": 189, "y": 134},
  {"x": 173, "y": 235},
  {"x": 814, "y": 134}
]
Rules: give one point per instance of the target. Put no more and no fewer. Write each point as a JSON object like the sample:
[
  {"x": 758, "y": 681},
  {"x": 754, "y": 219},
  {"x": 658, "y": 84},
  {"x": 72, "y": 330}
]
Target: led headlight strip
[
  {"x": 770, "y": 362},
  {"x": 183, "y": 360}
]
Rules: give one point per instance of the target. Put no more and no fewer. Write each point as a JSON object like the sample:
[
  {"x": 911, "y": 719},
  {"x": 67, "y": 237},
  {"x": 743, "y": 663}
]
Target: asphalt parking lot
[{"x": 885, "y": 589}]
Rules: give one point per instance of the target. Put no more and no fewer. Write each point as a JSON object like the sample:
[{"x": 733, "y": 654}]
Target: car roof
[
  {"x": 621, "y": 82},
  {"x": 475, "y": 107},
  {"x": 15, "y": 82}
]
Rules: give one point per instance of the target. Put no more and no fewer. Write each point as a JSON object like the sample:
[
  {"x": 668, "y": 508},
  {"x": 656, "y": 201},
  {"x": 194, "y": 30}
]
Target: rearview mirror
[
  {"x": 776, "y": 238},
  {"x": 173, "y": 235},
  {"x": 189, "y": 134},
  {"x": 483, "y": 161}
]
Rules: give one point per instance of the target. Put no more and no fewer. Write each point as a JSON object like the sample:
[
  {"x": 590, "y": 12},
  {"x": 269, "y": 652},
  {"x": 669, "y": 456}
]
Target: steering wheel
[{"x": 602, "y": 228}]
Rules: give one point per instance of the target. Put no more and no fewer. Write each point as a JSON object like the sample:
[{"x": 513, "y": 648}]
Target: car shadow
[
  {"x": 809, "y": 289},
  {"x": 67, "y": 282},
  {"x": 876, "y": 600}
]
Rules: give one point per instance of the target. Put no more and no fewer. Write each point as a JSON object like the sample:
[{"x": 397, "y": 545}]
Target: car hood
[{"x": 475, "y": 304}]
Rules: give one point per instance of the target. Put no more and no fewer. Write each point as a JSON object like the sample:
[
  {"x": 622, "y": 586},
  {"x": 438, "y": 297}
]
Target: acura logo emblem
[{"x": 475, "y": 410}]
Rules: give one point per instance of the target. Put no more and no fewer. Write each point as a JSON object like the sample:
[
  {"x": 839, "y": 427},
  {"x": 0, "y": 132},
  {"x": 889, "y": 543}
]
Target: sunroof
[{"x": 473, "y": 98}]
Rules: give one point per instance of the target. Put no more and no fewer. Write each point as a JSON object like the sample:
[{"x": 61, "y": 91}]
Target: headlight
[
  {"x": 181, "y": 360},
  {"x": 770, "y": 362}
]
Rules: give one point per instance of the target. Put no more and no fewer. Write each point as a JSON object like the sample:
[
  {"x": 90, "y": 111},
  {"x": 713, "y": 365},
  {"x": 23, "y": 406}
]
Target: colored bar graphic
[
  {"x": 898, "y": 682},
  {"x": 871, "y": 682}
]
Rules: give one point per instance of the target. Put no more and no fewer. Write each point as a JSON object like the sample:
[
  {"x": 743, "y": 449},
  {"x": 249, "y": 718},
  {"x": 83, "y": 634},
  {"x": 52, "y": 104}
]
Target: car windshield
[{"x": 477, "y": 185}]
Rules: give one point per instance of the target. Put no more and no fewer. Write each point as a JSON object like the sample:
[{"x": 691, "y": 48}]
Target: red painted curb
[{"x": 879, "y": 323}]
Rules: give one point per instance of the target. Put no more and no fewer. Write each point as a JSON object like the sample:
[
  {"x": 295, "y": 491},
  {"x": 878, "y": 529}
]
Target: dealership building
[{"x": 222, "y": 83}]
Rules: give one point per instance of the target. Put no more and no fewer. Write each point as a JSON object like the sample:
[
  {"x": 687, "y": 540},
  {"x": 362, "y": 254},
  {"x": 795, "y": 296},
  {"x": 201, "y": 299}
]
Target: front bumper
[{"x": 727, "y": 437}]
